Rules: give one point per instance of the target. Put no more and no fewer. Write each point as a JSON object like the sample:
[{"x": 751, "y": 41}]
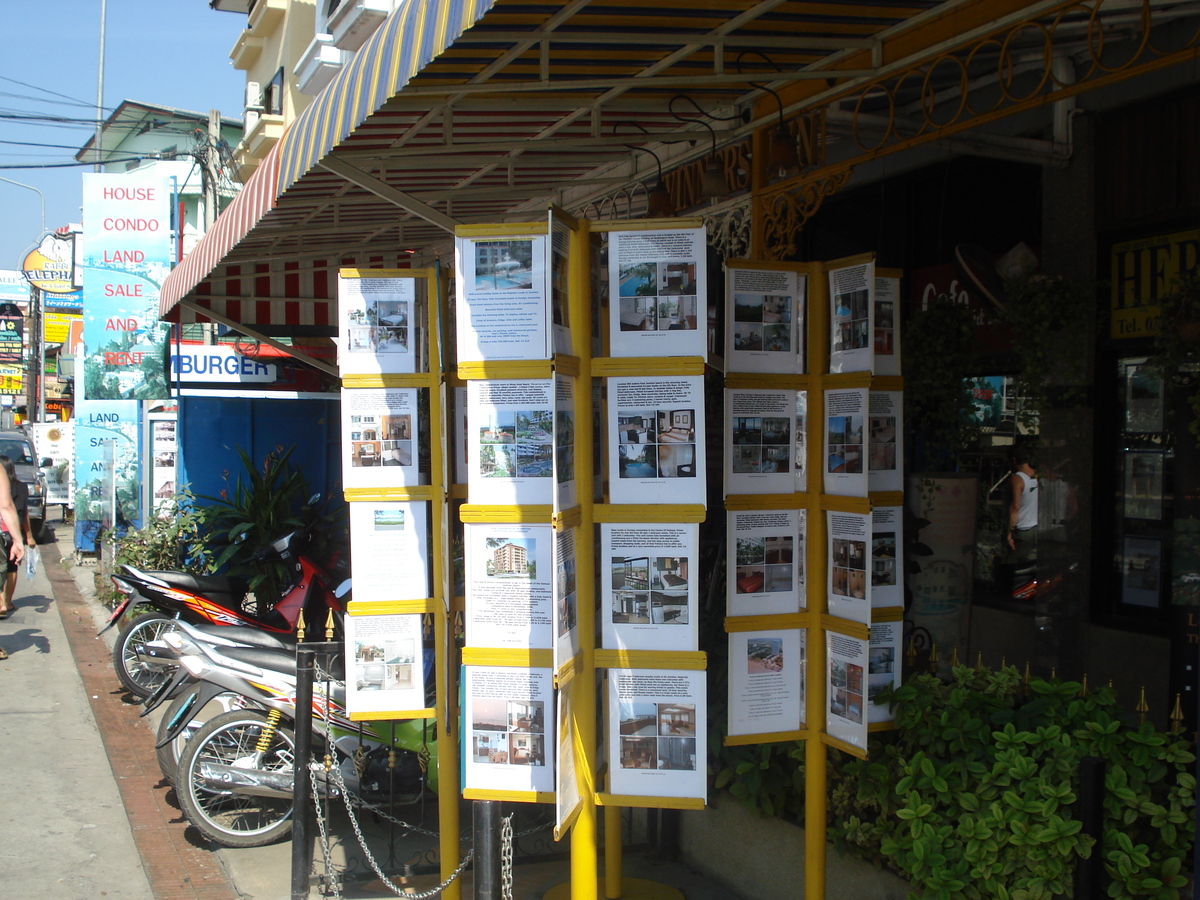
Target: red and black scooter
[{"x": 219, "y": 600}]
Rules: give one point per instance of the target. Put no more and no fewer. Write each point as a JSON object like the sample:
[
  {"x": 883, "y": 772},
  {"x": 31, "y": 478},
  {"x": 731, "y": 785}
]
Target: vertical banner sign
[
  {"x": 12, "y": 336},
  {"x": 127, "y": 254}
]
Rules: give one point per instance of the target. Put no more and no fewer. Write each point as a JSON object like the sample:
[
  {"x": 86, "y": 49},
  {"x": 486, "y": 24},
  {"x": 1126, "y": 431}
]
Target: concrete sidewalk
[{"x": 144, "y": 844}]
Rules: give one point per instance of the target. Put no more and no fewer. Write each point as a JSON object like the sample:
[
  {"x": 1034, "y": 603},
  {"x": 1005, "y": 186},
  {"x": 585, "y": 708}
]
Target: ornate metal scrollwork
[
  {"x": 729, "y": 228},
  {"x": 784, "y": 212}
]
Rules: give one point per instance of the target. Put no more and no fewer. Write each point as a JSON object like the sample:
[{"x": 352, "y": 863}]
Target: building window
[{"x": 272, "y": 95}]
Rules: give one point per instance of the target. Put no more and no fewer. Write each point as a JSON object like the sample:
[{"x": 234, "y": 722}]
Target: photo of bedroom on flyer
[
  {"x": 657, "y": 443},
  {"x": 652, "y": 589},
  {"x": 764, "y": 694},
  {"x": 388, "y": 672},
  {"x": 654, "y": 456},
  {"x": 761, "y": 440},
  {"x": 845, "y": 444},
  {"x": 379, "y": 431},
  {"x": 849, "y": 561},
  {"x": 377, "y": 327},
  {"x": 656, "y": 717},
  {"x": 510, "y": 712},
  {"x": 657, "y": 281},
  {"x": 767, "y": 561}
]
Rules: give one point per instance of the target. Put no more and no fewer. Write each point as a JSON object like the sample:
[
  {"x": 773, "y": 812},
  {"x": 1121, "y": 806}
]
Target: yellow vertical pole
[
  {"x": 584, "y": 839},
  {"x": 447, "y": 731},
  {"x": 815, "y": 774}
]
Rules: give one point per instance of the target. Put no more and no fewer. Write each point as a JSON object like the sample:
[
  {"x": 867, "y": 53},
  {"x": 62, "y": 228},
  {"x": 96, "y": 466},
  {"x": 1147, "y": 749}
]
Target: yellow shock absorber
[{"x": 268, "y": 733}]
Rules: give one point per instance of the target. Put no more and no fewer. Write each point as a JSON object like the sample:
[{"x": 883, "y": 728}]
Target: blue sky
[{"x": 165, "y": 52}]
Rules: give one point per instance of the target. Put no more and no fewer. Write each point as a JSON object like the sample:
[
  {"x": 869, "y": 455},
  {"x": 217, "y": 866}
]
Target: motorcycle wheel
[
  {"x": 137, "y": 677},
  {"x": 168, "y": 754},
  {"x": 224, "y": 817}
]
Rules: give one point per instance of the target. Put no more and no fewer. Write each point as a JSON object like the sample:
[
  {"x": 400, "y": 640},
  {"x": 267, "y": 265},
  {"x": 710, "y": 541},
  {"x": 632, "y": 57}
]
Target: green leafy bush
[{"x": 972, "y": 796}]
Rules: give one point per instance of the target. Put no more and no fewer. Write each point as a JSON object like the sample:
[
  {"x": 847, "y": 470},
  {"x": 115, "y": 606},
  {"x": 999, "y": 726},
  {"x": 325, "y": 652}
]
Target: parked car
[{"x": 17, "y": 447}]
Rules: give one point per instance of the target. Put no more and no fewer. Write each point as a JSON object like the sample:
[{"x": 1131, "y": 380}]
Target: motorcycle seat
[
  {"x": 273, "y": 660},
  {"x": 204, "y": 584},
  {"x": 251, "y": 637}
]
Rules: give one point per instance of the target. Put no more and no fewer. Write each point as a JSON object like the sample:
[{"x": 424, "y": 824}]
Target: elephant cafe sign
[{"x": 1142, "y": 271}]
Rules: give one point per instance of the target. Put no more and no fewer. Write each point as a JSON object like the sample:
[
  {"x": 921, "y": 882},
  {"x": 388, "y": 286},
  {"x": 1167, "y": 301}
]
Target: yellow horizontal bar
[
  {"x": 846, "y": 380},
  {"x": 396, "y": 714},
  {"x": 567, "y": 518},
  {"x": 646, "y": 366},
  {"x": 886, "y": 498},
  {"x": 505, "y": 370},
  {"x": 568, "y": 671},
  {"x": 845, "y": 626},
  {"x": 411, "y": 380},
  {"x": 770, "y": 265},
  {"x": 513, "y": 796},
  {"x": 394, "y": 607},
  {"x": 743, "y": 381},
  {"x": 500, "y": 230},
  {"x": 838, "y": 503},
  {"x": 888, "y": 614},
  {"x": 644, "y": 224},
  {"x": 887, "y": 383},
  {"x": 517, "y": 657},
  {"x": 772, "y": 737},
  {"x": 384, "y": 273},
  {"x": 847, "y": 261},
  {"x": 566, "y": 365},
  {"x": 782, "y": 621},
  {"x": 845, "y": 747},
  {"x": 767, "y": 501},
  {"x": 881, "y": 726},
  {"x": 689, "y": 660},
  {"x": 416, "y": 493},
  {"x": 881, "y": 272},
  {"x": 648, "y": 512},
  {"x": 631, "y": 801},
  {"x": 541, "y": 513}
]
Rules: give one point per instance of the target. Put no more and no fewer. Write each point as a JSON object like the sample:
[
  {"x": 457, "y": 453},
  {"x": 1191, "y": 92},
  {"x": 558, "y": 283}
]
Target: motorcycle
[
  {"x": 217, "y": 600},
  {"x": 234, "y": 777}
]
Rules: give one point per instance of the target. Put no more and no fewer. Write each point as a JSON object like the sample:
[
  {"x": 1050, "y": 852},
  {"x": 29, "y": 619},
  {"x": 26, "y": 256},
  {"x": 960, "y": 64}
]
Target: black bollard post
[
  {"x": 485, "y": 825},
  {"x": 1089, "y": 872},
  {"x": 302, "y": 785}
]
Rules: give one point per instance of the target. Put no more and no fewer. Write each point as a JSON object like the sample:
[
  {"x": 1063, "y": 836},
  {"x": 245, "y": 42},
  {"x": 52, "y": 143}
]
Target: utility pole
[
  {"x": 212, "y": 169},
  {"x": 99, "y": 166}
]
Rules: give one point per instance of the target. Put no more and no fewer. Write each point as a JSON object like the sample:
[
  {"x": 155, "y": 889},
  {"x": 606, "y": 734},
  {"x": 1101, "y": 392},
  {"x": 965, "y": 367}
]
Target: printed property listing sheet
[
  {"x": 656, "y": 440},
  {"x": 887, "y": 560},
  {"x": 379, "y": 437},
  {"x": 650, "y": 572},
  {"x": 764, "y": 327},
  {"x": 887, "y": 325},
  {"x": 510, "y": 729},
  {"x": 845, "y": 718},
  {"x": 502, "y": 304},
  {"x": 845, "y": 448},
  {"x": 760, "y": 441},
  {"x": 510, "y": 451},
  {"x": 377, "y": 324},
  {"x": 766, "y": 559},
  {"x": 657, "y": 722},
  {"x": 849, "y": 564},
  {"x": 766, "y": 681},
  {"x": 509, "y": 570},
  {"x": 658, "y": 302},
  {"x": 852, "y": 318},
  {"x": 883, "y": 668},
  {"x": 885, "y": 444},
  {"x": 387, "y": 672},
  {"x": 566, "y": 597},
  {"x": 388, "y": 546},
  {"x": 564, "y": 443}
]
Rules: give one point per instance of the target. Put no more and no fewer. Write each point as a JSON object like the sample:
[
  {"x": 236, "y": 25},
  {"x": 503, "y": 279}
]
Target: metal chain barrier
[
  {"x": 398, "y": 890},
  {"x": 506, "y": 857},
  {"x": 330, "y": 876}
]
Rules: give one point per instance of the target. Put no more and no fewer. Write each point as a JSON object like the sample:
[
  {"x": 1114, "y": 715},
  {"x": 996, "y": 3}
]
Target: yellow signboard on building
[{"x": 1142, "y": 272}]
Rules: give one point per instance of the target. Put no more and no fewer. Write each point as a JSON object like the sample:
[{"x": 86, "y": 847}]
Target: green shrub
[{"x": 972, "y": 796}]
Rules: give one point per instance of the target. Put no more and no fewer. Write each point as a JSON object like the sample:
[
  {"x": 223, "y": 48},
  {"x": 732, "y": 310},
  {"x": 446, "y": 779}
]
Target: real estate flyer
[
  {"x": 760, "y": 442},
  {"x": 387, "y": 671},
  {"x": 656, "y": 440},
  {"x": 887, "y": 325},
  {"x": 564, "y": 443},
  {"x": 801, "y": 432},
  {"x": 883, "y": 667},
  {"x": 377, "y": 324},
  {"x": 852, "y": 318},
  {"x": 379, "y": 437},
  {"x": 509, "y": 716},
  {"x": 887, "y": 559},
  {"x": 766, "y": 559},
  {"x": 885, "y": 445},
  {"x": 849, "y": 588},
  {"x": 502, "y": 305},
  {"x": 388, "y": 545},
  {"x": 766, "y": 677},
  {"x": 648, "y": 586},
  {"x": 844, "y": 716},
  {"x": 460, "y": 438},
  {"x": 566, "y": 598},
  {"x": 845, "y": 447},
  {"x": 558, "y": 250},
  {"x": 510, "y": 450},
  {"x": 509, "y": 569},
  {"x": 764, "y": 328},
  {"x": 657, "y": 723},
  {"x": 658, "y": 294},
  {"x": 567, "y": 796}
]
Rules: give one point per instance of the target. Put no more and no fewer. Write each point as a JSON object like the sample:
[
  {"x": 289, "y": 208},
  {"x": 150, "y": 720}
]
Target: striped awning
[{"x": 256, "y": 199}]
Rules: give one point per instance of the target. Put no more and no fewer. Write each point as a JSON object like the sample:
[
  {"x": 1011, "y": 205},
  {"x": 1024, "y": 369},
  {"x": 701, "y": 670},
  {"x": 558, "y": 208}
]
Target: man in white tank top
[{"x": 1021, "y": 534}]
